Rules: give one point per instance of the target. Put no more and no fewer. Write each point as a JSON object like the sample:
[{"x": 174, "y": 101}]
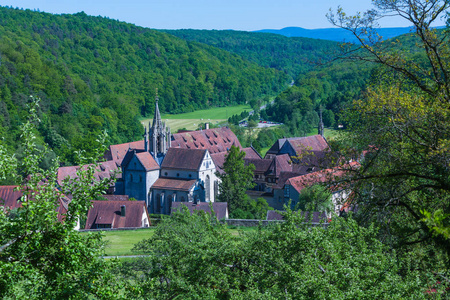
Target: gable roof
[
  {"x": 174, "y": 184},
  {"x": 299, "y": 144},
  {"x": 220, "y": 208},
  {"x": 261, "y": 165},
  {"x": 104, "y": 170},
  {"x": 276, "y": 146},
  {"x": 215, "y": 140},
  {"x": 147, "y": 161},
  {"x": 183, "y": 159},
  {"x": 251, "y": 152},
  {"x": 322, "y": 176},
  {"x": 313, "y": 142},
  {"x": 118, "y": 152},
  {"x": 280, "y": 163},
  {"x": 108, "y": 212},
  {"x": 9, "y": 198},
  {"x": 219, "y": 160}
]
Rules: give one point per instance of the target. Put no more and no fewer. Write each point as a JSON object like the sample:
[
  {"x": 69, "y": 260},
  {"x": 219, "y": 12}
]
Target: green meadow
[
  {"x": 191, "y": 120},
  {"x": 120, "y": 242}
]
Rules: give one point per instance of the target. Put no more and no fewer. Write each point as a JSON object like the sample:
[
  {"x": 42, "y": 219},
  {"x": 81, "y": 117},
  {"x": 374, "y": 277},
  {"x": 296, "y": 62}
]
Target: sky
[{"x": 247, "y": 15}]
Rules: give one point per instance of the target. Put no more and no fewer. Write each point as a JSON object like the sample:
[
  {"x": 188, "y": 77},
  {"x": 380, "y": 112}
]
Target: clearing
[{"x": 191, "y": 120}]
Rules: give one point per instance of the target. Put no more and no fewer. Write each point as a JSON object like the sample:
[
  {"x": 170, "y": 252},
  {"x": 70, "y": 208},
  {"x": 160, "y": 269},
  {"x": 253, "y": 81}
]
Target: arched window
[
  {"x": 131, "y": 177},
  {"x": 207, "y": 188}
]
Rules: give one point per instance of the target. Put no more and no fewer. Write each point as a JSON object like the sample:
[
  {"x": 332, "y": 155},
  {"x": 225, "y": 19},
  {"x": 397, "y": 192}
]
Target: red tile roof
[
  {"x": 109, "y": 212},
  {"x": 251, "y": 152},
  {"x": 220, "y": 208},
  {"x": 281, "y": 163},
  {"x": 215, "y": 140},
  {"x": 104, "y": 170},
  {"x": 219, "y": 160},
  {"x": 186, "y": 159},
  {"x": 173, "y": 184},
  {"x": 118, "y": 152},
  {"x": 327, "y": 175},
  {"x": 9, "y": 198},
  {"x": 147, "y": 161},
  {"x": 261, "y": 165},
  {"x": 313, "y": 142}
]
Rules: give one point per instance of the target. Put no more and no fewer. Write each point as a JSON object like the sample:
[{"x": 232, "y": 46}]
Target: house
[
  {"x": 10, "y": 199},
  {"x": 105, "y": 170},
  {"x": 220, "y": 208},
  {"x": 290, "y": 190},
  {"x": 298, "y": 146},
  {"x": 117, "y": 214}
]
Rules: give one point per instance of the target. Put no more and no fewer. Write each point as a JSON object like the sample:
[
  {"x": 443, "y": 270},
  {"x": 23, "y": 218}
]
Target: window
[
  {"x": 140, "y": 178},
  {"x": 131, "y": 177},
  {"x": 178, "y": 174},
  {"x": 286, "y": 191},
  {"x": 165, "y": 173},
  {"x": 190, "y": 175}
]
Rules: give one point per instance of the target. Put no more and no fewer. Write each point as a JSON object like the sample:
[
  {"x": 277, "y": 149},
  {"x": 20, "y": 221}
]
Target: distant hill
[
  {"x": 335, "y": 34},
  {"x": 293, "y": 56}
]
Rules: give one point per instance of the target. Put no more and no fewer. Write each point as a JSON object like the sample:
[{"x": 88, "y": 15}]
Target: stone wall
[{"x": 252, "y": 223}]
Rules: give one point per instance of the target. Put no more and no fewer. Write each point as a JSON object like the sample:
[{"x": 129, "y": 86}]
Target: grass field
[
  {"x": 191, "y": 120},
  {"x": 120, "y": 242}
]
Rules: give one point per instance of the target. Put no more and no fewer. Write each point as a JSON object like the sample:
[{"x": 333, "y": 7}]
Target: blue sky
[{"x": 208, "y": 14}]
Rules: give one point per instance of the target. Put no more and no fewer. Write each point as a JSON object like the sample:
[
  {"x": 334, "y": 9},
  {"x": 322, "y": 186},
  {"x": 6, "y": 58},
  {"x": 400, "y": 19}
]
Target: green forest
[{"x": 95, "y": 74}]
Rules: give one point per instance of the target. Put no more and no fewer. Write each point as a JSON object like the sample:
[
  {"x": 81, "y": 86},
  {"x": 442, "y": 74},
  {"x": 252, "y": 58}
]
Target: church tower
[
  {"x": 160, "y": 136},
  {"x": 321, "y": 126}
]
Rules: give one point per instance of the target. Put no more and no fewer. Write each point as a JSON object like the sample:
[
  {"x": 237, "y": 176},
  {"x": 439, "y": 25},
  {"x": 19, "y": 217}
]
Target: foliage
[
  {"x": 41, "y": 255},
  {"x": 403, "y": 123},
  {"x": 251, "y": 209},
  {"x": 291, "y": 55},
  {"x": 94, "y": 74},
  {"x": 237, "y": 179},
  {"x": 315, "y": 198},
  {"x": 195, "y": 257}
]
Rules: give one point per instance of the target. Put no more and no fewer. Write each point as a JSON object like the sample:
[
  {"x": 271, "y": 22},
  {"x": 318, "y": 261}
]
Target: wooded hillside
[{"x": 94, "y": 74}]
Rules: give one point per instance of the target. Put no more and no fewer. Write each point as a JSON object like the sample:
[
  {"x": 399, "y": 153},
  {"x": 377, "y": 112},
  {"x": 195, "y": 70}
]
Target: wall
[{"x": 252, "y": 223}]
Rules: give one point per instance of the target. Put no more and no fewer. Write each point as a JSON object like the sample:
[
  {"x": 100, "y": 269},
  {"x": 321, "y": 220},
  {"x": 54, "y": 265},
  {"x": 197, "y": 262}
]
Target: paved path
[{"x": 125, "y": 256}]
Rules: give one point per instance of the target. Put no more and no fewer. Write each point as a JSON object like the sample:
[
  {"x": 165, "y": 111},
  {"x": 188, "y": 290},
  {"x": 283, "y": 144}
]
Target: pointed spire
[
  {"x": 157, "y": 117},
  {"x": 320, "y": 128}
]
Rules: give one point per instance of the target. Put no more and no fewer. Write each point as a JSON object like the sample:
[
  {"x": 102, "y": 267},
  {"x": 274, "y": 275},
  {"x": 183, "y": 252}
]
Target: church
[{"x": 166, "y": 168}]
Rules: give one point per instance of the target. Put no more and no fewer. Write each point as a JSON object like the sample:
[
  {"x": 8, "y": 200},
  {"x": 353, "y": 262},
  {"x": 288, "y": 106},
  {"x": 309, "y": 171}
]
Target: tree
[
  {"x": 41, "y": 255},
  {"x": 196, "y": 257},
  {"x": 237, "y": 179},
  {"x": 315, "y": 198},
  {"x": 403, "y": 122}
]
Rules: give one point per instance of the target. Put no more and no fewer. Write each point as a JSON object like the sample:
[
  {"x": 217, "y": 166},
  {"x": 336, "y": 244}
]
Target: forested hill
[
  {"x": 293, "y": 56},
  {"x": 94, "y": 73}
]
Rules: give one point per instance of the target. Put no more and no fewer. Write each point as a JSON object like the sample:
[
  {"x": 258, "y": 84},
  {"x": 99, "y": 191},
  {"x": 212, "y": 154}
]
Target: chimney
[
  {"x": 206, "y": 125},
  {"x": 123, "y": 210}
]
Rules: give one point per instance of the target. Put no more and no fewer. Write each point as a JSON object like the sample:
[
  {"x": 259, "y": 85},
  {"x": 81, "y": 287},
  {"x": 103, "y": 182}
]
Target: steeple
[
  {"x": 320, "y": 128},
  {"x": 160, "y": 135},
  {"x": 157, "y": 117}
]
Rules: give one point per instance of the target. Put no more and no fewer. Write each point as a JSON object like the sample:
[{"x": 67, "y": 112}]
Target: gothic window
[{"x": 208, "y": 188}]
